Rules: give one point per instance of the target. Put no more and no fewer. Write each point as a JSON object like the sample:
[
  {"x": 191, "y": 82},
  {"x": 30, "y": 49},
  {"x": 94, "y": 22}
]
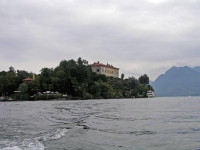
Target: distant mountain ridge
[
  {"x": 178, "y": 81},
  {"x": 196, "y": 68}
]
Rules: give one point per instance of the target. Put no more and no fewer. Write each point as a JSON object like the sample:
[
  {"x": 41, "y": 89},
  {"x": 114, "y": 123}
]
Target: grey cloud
[{"x": 137, "y": 36}]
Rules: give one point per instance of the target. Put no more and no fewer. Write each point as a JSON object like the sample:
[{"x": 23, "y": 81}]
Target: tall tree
[
  {"x": 133, "y": 84},
  {"x": 33, "y": 87},
  {"x": 46, "y": 78},
  {"x": 122, "y": 76},
  {"x": 106, "y": 90},
  {"x": 144, "y": 79},
  {"x": 22, "y": 74}
]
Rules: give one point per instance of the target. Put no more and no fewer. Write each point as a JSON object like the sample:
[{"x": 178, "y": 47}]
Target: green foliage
[
  {"x": 74, "y": 78},
  {"x": 46, "y": 79},
  {"x": 142, "y": 90},
  {"x": 8, "y": 82},
  {"x": 149, "y": 87},
  {"x": 144, "y": 79},
  {"x": 2, "y": 85},
  {"x": 133, "y": 85},
  {"x": 94, "y": 89},
  {"x": 22, "y": 74},
  {"x": 11, "y": 69},
  {"x": 122, "y": 76},
  {"x": 24, "y": 96},
  {"x": 33, "y": 86},
  {"x": 23, "y": 88},
  {"x": 107, "y": 90},
  {"x": 101, "y": 77}
]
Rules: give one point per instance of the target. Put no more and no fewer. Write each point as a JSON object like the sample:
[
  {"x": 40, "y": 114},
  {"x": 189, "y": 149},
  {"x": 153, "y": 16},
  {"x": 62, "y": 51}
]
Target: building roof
[
  {"x": 28, "y": 79},
  {"x": 95, "y": 64}
]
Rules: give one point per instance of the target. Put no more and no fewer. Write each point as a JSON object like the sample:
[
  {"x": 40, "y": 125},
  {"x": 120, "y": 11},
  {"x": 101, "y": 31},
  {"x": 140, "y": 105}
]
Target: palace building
[{"x": 107, "y": 69}]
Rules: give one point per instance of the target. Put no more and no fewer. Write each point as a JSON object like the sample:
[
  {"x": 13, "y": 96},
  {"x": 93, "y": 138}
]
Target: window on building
[{"x": 97, "y": 70}]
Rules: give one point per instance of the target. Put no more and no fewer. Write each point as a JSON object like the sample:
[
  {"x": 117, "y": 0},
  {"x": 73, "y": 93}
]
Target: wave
[
  {"x": 27, "y": 144},
  {"x": 11, "y": 148},
  {"x": 34, "y": 143},
  {"x": 59, "y": 133}
]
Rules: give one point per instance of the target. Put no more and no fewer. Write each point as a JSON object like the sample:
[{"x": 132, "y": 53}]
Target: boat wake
[{"x": 33, "y": 143}]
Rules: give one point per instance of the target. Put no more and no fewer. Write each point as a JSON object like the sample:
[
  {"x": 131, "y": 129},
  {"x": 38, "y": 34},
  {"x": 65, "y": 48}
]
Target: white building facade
[{"x": 107, "y": 69}]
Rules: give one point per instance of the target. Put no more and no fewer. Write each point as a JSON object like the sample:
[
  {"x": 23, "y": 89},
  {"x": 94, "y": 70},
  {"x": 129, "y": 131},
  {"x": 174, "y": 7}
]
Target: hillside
[{"x": 178, "y": 81}]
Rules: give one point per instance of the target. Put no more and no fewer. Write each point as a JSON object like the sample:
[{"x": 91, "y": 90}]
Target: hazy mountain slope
[
  {"x": 150, "y": 82},
  {"x": 178, "y": 81},
  {"x": 196, "y": 68}
]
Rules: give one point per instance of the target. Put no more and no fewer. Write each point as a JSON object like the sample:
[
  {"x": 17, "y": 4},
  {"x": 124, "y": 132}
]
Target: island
[{"x": 71, "y": 80}]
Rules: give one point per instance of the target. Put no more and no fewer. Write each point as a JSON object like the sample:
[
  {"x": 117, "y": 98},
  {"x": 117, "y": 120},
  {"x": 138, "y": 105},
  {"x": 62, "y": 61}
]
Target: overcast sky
[{"x": 137, "y": 36}]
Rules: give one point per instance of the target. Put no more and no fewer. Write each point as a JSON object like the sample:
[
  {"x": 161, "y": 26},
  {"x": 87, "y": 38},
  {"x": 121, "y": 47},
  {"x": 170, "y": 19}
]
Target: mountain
[
  {"x": 178, "y": 81},
  {"x": 150, "y": 82},
  {"x": 196, "y": 68}
]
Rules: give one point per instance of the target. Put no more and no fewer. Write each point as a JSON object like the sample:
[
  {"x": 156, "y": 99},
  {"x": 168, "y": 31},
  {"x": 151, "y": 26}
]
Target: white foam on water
[
  {"x": 28, "y": 144},
  {"x": 59, "y": 133},
  {"x": 11, "y": 148},
  {"x": 34, "y": 143}
]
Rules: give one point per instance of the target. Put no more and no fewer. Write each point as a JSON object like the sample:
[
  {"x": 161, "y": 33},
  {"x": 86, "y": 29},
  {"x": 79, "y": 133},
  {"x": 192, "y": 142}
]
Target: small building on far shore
[
  {"x": 106, "y": 69},
  {"x": 27, "y": 80}
]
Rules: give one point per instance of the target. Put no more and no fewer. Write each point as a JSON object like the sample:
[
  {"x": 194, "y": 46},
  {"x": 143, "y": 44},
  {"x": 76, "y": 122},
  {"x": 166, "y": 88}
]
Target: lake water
[{"x": 120, "y": 124}]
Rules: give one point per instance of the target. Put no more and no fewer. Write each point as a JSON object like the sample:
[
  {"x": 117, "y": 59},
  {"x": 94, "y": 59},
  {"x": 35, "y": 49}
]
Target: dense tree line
[{"x": 75, "y": 79}]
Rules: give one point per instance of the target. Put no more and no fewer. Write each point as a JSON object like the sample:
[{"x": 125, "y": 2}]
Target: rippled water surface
[{"x": 122, "y": 124}]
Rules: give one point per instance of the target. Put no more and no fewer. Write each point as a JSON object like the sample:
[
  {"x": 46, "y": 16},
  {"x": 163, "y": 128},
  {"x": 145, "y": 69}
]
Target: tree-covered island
[{"x": 70, "y": 80}]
